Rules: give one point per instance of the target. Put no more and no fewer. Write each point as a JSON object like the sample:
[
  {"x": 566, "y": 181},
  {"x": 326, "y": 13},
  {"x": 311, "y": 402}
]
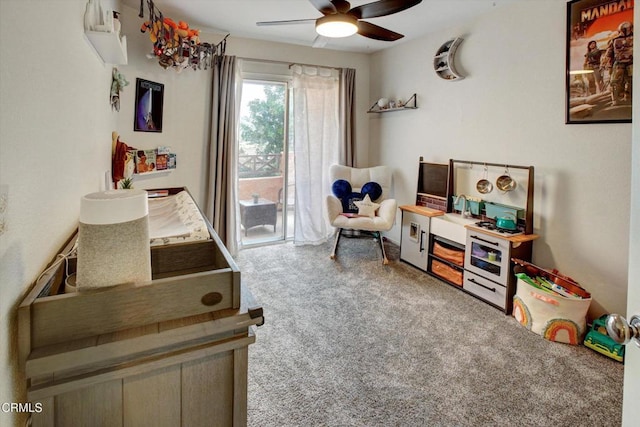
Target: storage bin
[
  {"x": 474, "y": 206},
  {"x": 455, "y": 256},
  {"x": 448, "y": 273},
  {"x": 553, "y": 316}
]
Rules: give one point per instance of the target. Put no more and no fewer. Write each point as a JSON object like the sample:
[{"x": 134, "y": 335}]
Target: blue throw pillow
[
  {"x": 341, "y": 188},
  {"x": 373, "y": 189}
]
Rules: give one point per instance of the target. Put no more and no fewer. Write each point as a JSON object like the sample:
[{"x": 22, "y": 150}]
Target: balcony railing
[{"x": 259, "y": 165}]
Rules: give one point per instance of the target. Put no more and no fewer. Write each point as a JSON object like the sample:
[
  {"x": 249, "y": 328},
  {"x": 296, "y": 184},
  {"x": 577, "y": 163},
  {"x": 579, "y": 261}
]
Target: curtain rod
[
  {"x": 271, "y": 61},
  {"x": 314, "y": 65}
]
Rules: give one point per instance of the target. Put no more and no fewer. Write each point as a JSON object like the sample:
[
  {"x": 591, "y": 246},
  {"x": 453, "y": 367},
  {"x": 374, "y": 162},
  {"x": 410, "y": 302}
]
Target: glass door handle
[{"x": 622, "y": 331}]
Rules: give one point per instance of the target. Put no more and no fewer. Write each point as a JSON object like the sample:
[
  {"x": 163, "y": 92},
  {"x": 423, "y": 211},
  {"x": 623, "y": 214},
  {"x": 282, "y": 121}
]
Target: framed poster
[
  {"x": 148, "y": 108},
  {"x": 599, "y": 61}
]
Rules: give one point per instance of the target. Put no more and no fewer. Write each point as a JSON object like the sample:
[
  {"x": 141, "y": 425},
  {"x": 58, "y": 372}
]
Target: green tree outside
[{"x": 264, "y": 128}]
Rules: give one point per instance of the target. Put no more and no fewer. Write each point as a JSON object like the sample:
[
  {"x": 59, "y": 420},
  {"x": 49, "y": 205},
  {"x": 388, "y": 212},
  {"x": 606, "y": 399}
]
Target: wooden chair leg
[
  {"x": 385, "y": 260},
  {"x": 335, "y": 244}
]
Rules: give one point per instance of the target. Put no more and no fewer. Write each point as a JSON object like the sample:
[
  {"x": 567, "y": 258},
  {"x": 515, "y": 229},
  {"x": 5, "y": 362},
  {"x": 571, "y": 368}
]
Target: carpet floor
[{"x": 352, "y": 342}]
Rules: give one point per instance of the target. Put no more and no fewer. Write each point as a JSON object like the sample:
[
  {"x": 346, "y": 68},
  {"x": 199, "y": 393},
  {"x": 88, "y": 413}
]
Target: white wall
[
  {"x": 510, "y": 109},
  {"x": 55, "y": 144}
]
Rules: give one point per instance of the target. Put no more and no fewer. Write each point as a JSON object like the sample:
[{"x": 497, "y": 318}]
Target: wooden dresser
[{"x": 169, "y": 352}]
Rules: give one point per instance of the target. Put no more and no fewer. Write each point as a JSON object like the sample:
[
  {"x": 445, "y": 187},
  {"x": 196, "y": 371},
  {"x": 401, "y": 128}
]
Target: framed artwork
[
  {"x": 599, "y": 61},
  {"x": 148, "y": 108}
]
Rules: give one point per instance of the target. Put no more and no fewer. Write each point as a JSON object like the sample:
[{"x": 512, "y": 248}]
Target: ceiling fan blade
[
  {"x": 372, "y": 31},
  {"x": 324, "y": 6},
  {"x": 320, "y": 41},
  {"x": 291, "y": 21},
  {"x": 382, "y": 8}
]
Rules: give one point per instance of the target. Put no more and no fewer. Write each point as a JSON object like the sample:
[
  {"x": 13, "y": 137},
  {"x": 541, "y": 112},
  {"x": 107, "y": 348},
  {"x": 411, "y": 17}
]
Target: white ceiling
[{"x": 239, "y": 17}]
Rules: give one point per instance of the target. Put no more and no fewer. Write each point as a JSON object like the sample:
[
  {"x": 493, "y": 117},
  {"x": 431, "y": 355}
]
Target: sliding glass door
[{"x": 266, "y": 191}]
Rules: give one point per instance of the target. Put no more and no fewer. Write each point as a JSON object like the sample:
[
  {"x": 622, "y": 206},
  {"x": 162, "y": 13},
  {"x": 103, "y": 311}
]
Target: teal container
[
  {"x": 495, "y": 210},
  {"x": 475, "y": 207}
]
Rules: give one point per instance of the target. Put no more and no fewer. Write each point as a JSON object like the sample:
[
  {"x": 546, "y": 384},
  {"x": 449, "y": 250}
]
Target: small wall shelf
[
  {"x": 109, "y": 46},
  {"x": 444, "y": 60},
  {"x": 154, "y": 172},
  {"x": 411, "y": 104}
]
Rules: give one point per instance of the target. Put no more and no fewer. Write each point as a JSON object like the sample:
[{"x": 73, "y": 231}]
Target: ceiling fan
[{"x": 341, "y": 20}]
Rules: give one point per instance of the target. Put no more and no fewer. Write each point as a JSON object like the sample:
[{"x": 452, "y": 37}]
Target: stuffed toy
[
  {"x": 183, "y": 29},
  {"x": 342, "y": 190},
  {"x": 118, "y": 82},
  {"x": 373, "y": 189},
  {"x": 119, "y": 153}
]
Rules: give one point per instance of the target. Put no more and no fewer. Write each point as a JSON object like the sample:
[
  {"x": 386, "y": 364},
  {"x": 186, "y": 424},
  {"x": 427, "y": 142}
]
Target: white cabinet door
[{"x": 414, "y": 243}]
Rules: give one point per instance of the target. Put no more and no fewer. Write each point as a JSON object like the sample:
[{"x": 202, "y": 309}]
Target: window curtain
[
  {"x": 347, "y": 116},
  {"x": 316, "y": 105},
  {"x": 221, "y": 191}
]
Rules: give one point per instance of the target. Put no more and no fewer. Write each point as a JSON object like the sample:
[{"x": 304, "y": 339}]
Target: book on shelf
[
  {"x": 145, "y": 161},
  {"x": 171, "y": 161},
  {"x": 161, "y": 161}
]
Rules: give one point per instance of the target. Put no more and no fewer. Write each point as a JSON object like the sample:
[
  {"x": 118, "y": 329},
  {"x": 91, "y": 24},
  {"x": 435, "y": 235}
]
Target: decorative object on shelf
[
  {"x": 444, "y": 60},
  {"x": 384, "y": 105},
  {"x": 118, "y": 82},
  {"x": 176, "y": 45},
  {"x": 599, "y": 50},
  {"x": 92, "y": 14},
  {"x": 126, "y": 183},
  {"x": 148, "y": 106},
  {"x": 122, "y": 165},
  {"x": 117, "y": 25},
  {"x": 102, "y": 30},
  {"x": 256, "y": 197}
]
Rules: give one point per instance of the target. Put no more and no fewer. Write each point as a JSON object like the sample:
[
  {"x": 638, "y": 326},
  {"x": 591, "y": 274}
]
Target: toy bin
[{"x": 551, "y": 315}]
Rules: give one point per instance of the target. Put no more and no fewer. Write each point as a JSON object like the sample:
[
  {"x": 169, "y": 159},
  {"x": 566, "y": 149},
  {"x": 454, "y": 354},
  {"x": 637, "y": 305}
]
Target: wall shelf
[
  {"x": 411, "y": 104},
  {"x": 110, "y": 47},
  {"x": 444, "y": 60},
  {"x": 154, "y": 172}
]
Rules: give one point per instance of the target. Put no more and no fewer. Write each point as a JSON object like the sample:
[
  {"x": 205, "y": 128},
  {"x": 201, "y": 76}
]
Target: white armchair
[{"x": 384, "y": 215}]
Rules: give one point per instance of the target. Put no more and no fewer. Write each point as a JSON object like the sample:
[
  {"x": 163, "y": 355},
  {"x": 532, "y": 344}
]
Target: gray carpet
[{"x": 352, "y": 342}]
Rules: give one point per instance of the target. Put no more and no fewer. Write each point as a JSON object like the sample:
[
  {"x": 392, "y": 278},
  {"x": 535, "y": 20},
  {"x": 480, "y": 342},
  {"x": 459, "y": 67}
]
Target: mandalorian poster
[{"x": 599, "y": 61}]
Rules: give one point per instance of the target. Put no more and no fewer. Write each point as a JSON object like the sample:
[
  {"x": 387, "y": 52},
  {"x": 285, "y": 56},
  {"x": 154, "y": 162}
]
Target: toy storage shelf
[{"x": 109, "y": 46}]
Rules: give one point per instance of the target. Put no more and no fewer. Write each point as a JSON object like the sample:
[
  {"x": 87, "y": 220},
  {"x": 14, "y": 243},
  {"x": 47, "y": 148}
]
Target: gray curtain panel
[
  {"x": 219, "y": 196},
  {"x": 347, "y": 116}
]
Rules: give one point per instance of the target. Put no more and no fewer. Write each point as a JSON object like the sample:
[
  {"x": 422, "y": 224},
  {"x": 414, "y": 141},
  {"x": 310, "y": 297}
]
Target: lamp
[{"x": 337, "y": 25}]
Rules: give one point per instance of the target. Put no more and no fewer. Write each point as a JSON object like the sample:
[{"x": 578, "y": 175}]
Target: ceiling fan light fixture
[{"x": 337, "y": 25}]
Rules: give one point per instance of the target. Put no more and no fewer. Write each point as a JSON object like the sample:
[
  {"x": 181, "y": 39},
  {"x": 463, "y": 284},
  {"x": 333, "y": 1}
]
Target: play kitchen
[{"x": 473, "y": 218}]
